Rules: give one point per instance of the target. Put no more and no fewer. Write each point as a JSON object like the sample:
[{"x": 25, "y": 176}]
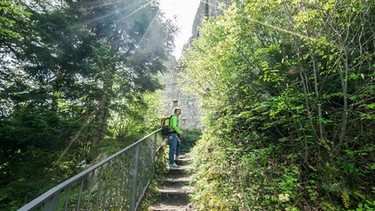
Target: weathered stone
[{"x": 190, "y": 105}]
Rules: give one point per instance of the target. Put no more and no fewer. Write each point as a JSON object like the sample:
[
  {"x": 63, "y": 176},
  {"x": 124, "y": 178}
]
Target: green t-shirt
[{"x": 174, "y": 124}]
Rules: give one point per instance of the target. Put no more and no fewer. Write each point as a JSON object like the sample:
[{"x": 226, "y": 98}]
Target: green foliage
[
  {"x": 11, "y": 19},
  {"x": 190, "y": 138},
  {"x": 241, "y": 176},
  {"x": 152, "y": 194},
  {"x": 367, "y": 205},
  {"x": 71, "y": 77},
  {"x": 287, "y": 104}
]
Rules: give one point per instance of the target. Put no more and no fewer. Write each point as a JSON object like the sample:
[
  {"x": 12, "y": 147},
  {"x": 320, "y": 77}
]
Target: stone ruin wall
[
  {"x": 190, "y": 106},
  {"x": 174, "y": 96}
]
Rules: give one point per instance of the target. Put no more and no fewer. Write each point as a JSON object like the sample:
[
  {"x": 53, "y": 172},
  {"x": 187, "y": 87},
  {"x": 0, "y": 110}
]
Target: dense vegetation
[
  {"x": 75, "y": 76},
  {"x": 288, "y": 93},
  {"x": 287, "y": 87}
]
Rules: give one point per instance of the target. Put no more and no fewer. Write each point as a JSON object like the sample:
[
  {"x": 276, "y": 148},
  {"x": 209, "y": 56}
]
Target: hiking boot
[
  {"x": 173, "y": 165},
  {"x": 177, "y": 157}
]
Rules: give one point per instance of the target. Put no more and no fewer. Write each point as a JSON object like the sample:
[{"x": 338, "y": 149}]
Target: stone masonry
[{"x": 174, "y": 96}]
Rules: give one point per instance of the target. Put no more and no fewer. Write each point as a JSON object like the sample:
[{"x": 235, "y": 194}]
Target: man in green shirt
[{"x": 174, "y": 142}]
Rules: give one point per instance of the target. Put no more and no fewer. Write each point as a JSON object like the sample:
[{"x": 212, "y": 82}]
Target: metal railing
[{"x": 116, "y": 183}]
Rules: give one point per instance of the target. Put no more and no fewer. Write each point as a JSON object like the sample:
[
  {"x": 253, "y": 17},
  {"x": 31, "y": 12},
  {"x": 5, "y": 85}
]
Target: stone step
[
  {"x": 183, "y": 161},
  {"x": 174, "y": 188},
  {"x": 175, "y": 196},
  {"x": 177, "y": 181},
  {"x": 181, "y": 170},
  {"x": 167, "y": 207},
  {"x": 186, "y": 189}
]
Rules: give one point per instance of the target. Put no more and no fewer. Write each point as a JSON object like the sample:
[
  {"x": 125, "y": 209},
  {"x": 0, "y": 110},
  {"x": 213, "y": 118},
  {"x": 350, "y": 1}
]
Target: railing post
[
  {"x": 154, "y": 153},
  {"x": 135, "y": 178},
  {"x": 50, "y": 204}
]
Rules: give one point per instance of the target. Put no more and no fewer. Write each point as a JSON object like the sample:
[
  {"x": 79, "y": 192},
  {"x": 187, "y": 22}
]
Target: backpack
[{"x": 165, "y": 127}]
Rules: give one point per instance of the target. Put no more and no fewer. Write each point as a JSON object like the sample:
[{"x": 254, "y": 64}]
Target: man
[{"x": 174, "y": 141}]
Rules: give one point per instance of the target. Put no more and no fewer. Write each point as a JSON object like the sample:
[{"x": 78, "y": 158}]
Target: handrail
[{"x": 94, "y": 188}]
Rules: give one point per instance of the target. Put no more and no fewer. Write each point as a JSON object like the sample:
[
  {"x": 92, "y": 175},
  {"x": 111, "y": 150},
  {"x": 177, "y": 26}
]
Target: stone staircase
[{"x": 175, "y": 188}]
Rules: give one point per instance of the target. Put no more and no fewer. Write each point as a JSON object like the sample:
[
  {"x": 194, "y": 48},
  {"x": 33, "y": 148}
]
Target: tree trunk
[{"x": 103, "y": 111}]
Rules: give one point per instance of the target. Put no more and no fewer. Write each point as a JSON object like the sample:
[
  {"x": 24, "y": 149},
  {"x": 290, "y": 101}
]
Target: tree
[
  {"x": 284, "y": 84},
  {"x": 73, "y": 68}
]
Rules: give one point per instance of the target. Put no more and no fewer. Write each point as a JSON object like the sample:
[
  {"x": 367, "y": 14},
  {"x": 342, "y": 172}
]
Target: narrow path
[{"x": 174, "y": 189}]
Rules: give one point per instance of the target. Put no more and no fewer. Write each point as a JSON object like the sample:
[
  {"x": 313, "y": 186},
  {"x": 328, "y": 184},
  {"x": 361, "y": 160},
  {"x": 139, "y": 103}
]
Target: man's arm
[{"x": 174, "y": 125}]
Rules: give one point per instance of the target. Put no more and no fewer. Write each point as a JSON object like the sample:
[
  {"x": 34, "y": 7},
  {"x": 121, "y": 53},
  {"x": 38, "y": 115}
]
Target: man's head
[{"x": 177, "y": 111}]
